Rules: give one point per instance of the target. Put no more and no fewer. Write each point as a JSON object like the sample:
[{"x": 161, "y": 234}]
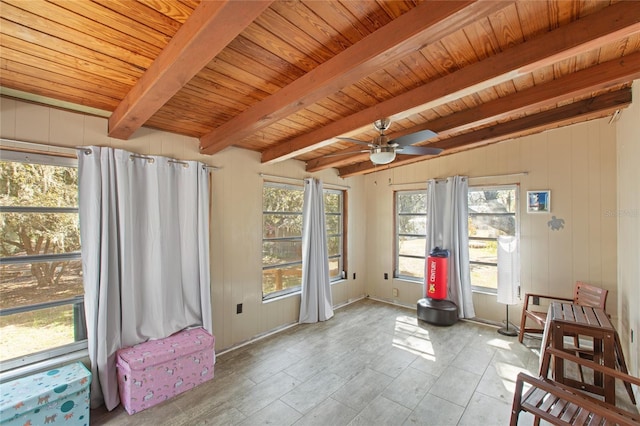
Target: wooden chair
[
  {"x": 564, "y": 405},
  {"x": 584, "y": 294}
]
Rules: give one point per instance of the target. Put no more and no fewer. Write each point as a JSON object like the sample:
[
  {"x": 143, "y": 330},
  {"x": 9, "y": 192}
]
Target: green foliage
[{"x": 37, "y": 185}]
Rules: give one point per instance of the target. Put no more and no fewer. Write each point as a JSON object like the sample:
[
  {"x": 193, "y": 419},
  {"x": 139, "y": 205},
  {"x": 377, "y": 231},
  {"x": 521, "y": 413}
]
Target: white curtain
[
  {"x": 447, "y": 228},
  {"x": 144, "y": 226},
  {"x": 315, "y": 301}
]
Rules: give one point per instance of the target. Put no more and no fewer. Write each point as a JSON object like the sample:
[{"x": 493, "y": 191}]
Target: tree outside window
[{"x": 41, "y": 286}]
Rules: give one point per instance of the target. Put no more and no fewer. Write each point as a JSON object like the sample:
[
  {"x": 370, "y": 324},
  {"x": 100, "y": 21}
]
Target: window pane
[
  {"x": 281, "y": 225},
  {"x": 335, "y": 271},
  {"x": 38, "y": 185},
  {"x": 23, "y": 284},
  {"x": 484, "y": 276},
  {"x": 332, "y": 202},
  {"x": 333, "y": 223},
  {"x": 483, "y": 251},
  {"x": 492, "y": 200},
  {"x": 282, "y": 199},
  {"x": 29, "y": 332},
  {"x": 491, "y": 226},
  {"x": 39, "y": 233},
  {"x": 276, "y": 252},
  {"x": 279, "y": 279},
  {"x": 412, "y": 202},
  {"x": 411, "y": 267},
  {"x": 412, "y": 224},
  {"x": 412, "y": 246},
  {"x": 334, "y": 245},
  {"x": 492, "y": 213}
]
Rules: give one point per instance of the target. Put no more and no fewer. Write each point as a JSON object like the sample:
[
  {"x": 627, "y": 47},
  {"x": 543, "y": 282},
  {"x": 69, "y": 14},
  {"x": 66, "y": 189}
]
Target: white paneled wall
[
  {"x": 578, "y": 165},
  {"x": 627, "y": 213},
  {"x": 236, "y": 226}
]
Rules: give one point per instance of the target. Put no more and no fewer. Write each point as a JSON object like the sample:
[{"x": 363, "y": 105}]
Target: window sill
[
  {"x": 44, "y": 365},
  {"x": 410, "y": 281},
  {"x": 486, "y": 292}
]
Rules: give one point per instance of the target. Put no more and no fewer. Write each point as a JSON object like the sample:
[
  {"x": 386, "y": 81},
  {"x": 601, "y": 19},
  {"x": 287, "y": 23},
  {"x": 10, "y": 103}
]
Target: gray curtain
[
  {"x": 448, "y": 228},
  {"x": 144, "y": 225},
  {"x": 315, "y": 301}
]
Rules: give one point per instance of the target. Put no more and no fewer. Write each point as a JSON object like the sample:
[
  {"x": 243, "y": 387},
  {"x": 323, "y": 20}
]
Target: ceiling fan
[{"x": 382, "y": 150}]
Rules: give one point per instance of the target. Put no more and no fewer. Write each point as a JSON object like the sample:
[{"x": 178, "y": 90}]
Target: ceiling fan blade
[
  {"x": 357, "y": 141},
  {"x": 336, "y": 154},
  {"x": 412, "y": 138},
  {"x": 419, "y": 150}
]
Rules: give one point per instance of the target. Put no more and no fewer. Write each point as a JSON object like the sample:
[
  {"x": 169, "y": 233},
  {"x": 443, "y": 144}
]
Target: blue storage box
[{"x": 56, "y": 397}]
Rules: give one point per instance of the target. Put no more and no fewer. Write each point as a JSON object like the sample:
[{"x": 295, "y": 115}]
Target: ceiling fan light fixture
[{"x": 382, "y": 155}]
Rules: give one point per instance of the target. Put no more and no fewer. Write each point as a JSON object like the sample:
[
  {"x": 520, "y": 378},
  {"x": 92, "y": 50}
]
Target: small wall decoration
[
  {"x": 556, "y": 223},
  {"x": 538, "y": 201}
]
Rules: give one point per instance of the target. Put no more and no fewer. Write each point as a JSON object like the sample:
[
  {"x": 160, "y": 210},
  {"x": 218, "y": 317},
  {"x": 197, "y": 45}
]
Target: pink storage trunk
[{"x": 154, "y": 371}]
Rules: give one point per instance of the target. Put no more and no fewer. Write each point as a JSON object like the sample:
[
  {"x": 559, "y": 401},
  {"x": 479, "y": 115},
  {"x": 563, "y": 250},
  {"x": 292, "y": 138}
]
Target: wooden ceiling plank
[
  {"x": 605, "y": 103},
  {"x": 53, "y": 58},
  {"x": 31, "y": 66},
  {"x": 207, "y": 31},
  {"x": 546, "y": 95},
  {"x": 82, "y": 54},
  {"x": 255, "y": 59},
  {"x": 315, "y": 27},
  {"x": 110, "y": 20},
  {"x": 140, "y": 12},
  {"x": 612, "y": 22},
  {"x": 178, "y": 11},
  {"x": 420, "y": 26},
  {"x": 29, "y": 12},
  {"x": 56, "y": 90}
]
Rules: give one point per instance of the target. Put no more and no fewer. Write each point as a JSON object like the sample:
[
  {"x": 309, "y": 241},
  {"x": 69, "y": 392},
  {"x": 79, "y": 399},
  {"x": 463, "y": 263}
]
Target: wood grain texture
[{"x": 298, "y": 74}]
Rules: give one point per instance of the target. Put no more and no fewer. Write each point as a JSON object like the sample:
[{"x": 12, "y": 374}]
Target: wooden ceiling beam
[
  {"x": 422, "y": 25},
  {"x": 578, "y": 111},
  {"x": 618, "y": 20},
  {"x": 565, "y": 88},
  {"x": 211, "y": 26}
]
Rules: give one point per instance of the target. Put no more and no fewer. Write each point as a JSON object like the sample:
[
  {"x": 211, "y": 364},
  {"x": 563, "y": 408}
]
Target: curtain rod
[
  {"x": 265, "y": 175},
  {"x": 152, "y": 160},
  {"x": 469, "y": 177}
]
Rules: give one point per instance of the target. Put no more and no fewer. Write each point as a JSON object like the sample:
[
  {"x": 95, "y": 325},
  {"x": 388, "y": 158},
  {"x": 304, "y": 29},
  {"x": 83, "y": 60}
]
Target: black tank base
[{"x": 438, "y": 312}]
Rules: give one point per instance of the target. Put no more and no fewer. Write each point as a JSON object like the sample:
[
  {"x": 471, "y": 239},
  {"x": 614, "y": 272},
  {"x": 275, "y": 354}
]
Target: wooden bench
[{"x": 563, "y": 405}]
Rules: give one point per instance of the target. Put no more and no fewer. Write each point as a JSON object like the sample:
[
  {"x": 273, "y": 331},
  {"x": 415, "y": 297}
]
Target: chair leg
[
  {"x": 523, "y": 321},
  {"x": 623, "y": 367},
  {"x": 576, "y": 343}
]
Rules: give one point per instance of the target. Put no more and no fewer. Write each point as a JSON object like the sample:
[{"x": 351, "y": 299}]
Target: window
[
  {"x": 411, "y": 234},
  {"x": 41, "y": 289},
  {"x": 282, "y": 237},
  {"x": 492, "y": 212}
]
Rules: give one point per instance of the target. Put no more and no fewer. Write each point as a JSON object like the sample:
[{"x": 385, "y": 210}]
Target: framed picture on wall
[{"x": 538, "y": 201}]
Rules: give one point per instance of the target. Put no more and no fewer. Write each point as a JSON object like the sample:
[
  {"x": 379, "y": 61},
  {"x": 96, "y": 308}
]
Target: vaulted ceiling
[{"x": 287, "y": 78}]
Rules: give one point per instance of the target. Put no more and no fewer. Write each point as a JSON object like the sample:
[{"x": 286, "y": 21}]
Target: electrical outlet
[
  {"x": 386, "y": 276},
  {"x": 239, "y": 308},
  {"x": 394, "y": 292},
  {"x": 536, "y": 300},
  {"x": 354, "y": 275}
]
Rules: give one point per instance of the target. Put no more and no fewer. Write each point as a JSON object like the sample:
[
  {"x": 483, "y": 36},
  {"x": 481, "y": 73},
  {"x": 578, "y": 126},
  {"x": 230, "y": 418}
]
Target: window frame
[
  {"x": 342, "y": 235},
  {"x": 397, "y": 235},
  {"x": 58, "y": 158},
  {"x": 516, "y": 214}
]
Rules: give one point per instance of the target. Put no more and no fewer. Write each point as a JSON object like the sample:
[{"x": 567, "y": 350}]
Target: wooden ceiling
[{"x": 285, "y": 78}]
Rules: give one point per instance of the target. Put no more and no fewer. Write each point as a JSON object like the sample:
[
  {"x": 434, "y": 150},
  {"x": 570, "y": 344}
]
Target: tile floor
[{"x": 372, "y": 364}]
